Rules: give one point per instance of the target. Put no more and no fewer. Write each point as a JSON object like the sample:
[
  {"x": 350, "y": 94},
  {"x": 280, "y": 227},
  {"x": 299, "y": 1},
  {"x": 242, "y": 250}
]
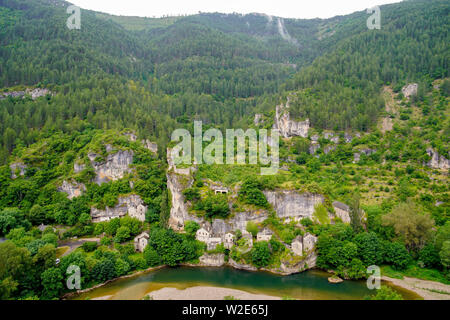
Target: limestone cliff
[
  {"x": 113, "y": 168},
  {"x": 293, "y": 205},
  {"x": 437, "y": 161},
  {"x": 72, "y": 189},
  {"x": 287, "y": 127},
  {"x": 179, "y": 210},
  {"x": 131, "y": 205},
  {"x": 410, "y": 90}
]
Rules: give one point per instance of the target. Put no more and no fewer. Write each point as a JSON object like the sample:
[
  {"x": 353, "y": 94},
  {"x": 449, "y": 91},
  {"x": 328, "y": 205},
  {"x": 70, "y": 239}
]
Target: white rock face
[
  {"x": 17, "y": 165},
  {"x": 114, "y": 168},
  {"x": 179, "y": 210},
  {"x": 131, "y": 205},
  {"x": 410, "y": 90},
  {"x": 287, "y": 127},
  {"x": 72, "y": 189},
  {"x": 437, "y": 161},
  {"x": 292, "y": 204}
]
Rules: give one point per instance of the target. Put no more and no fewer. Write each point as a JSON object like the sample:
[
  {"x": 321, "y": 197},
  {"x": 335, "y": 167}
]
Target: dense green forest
[{"x": 121, "y": 75}]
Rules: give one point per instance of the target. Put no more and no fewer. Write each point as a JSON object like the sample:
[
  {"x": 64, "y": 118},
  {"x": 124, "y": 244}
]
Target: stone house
[
  {"x": 264, "y": 235},
  {"x": 221, "y": 191},
  {"x": 309, "y": 242},
  {"x": 297, "y": 246},
  {"x": 212, "y": 243},
  {"x": 342, "y": 211},
  {"x": 228, "y": 240},
  {"x": 202, "y": 235},
  {"x": 141, "y": 241}
]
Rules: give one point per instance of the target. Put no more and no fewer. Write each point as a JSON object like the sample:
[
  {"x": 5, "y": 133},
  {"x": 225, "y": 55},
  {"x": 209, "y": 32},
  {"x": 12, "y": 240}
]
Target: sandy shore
[
  {"x": 429, "y": 290},
  {"x": 206, "y": 293}
]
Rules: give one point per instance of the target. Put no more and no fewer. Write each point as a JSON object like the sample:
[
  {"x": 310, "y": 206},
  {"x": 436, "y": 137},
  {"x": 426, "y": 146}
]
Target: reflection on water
[{"x": 310, "y": 285}]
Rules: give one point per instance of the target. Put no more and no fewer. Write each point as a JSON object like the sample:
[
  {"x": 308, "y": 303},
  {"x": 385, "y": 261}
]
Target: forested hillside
[
  {"x": 79, "y": 110},
  {"x": 346, "y": 83}
]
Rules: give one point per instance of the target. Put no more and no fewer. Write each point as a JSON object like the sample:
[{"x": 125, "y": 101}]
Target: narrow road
[{"x": 76, "y": 244}]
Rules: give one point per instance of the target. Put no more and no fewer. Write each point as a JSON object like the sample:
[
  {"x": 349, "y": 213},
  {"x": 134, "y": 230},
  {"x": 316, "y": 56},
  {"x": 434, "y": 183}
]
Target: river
[{"x": 309, "y": 285}]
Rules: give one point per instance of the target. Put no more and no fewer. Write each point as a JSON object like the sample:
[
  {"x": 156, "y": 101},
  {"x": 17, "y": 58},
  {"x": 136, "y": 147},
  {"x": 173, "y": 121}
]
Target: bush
[
  {"x": 250, "y": 193},
  {"x": 216, "y": 206},
  {"x": 260, "y": 254},
  {"x": 105, "y": 241},
  {"x": 151, "y": 256},
  {"x": 429, "y": 255},
  {"x": 191, "y": 194},
  {"x": 396, "y": 254},
  {"x": 385, "y": 293},
  {"x": 191, "y": 228},
  {"x": 89, "y": 246},
  {"x": 122, "y": 235}
]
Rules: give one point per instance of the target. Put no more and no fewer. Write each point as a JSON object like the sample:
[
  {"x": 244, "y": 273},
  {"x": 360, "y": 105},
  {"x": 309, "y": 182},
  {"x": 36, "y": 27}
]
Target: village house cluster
[{"x": 299, "y": 246}]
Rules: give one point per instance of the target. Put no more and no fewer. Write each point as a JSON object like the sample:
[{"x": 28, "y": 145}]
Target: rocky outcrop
[
  {"x": 78, "y": 167},
  {"x": 437, "y": 161},
  {"x": 329, "y": 149},
  {"x": 410, "y": 90},
  {"x": 72, "y": 189},
  {"x": 348, "y": 137},
  {"x": 179, "y": 209},
  {"x": 17, "y": 169},
  {"x": 292, "y": 204},
  {"x": 34, "y": 93},
  {"x": 37, "y": 93},
  {"x": 287, "y": 127},
  {"x": 131, "y": 205},
  {"x": 335, "y": 279},
  {"x": 342, "y": 211},
  {"x": 258, "y": 119},
  {"x": 289, "y": 267},
  {"x": 367, "y": 152},
  {"x": 240, "y": 266},
  {"x": 314, "y": 147},
  {"x": 131, "y": 136},
  {"x": 153, "y": 147},
  {"x": 13, "y": 94},
  {"x": 114, "y": 168},
  {"x": 212, "y": 260}
]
